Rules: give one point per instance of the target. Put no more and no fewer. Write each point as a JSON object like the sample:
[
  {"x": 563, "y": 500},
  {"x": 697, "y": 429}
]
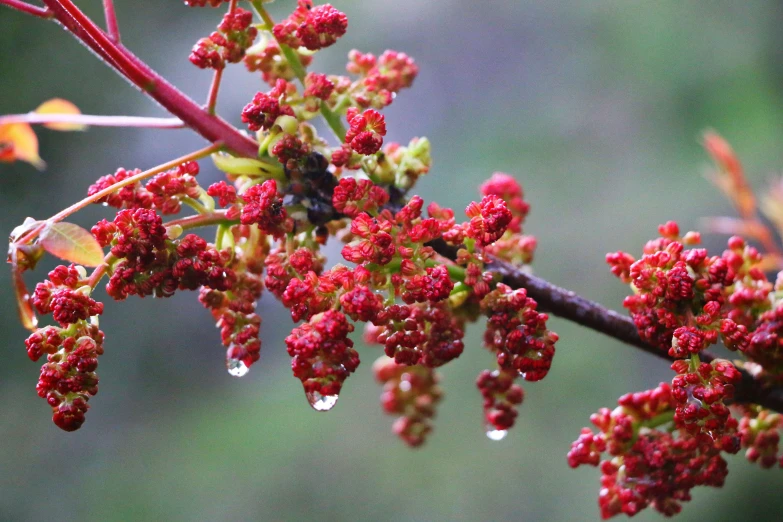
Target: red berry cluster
[
  {"x": 68, "y": 378},
  {"x": 412, "y": 393},
  {"x": 228, "y": 44}
]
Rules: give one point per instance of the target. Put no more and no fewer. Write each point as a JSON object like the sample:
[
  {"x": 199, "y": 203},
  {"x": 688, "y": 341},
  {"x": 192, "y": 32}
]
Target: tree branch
[
  {"x": 211, "y": 127},
  {"x": 558, "y": 301}
]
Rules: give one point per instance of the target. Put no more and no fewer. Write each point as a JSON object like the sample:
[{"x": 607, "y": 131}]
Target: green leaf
[{"x": 72, "y": 243}]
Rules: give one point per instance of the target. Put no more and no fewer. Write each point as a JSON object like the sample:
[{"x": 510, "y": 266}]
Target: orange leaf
[
  {"x": 72, "y": 243},
  {"x": 19, "y": 142},
  {"x": 60, "y": 106}
]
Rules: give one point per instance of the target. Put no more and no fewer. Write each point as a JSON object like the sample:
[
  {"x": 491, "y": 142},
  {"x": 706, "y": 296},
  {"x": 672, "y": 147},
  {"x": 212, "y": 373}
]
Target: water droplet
[
  {"x": 236, "y": 367},
  {"x": 321, "y": 402},
  {"x": 496, "y": 434}
]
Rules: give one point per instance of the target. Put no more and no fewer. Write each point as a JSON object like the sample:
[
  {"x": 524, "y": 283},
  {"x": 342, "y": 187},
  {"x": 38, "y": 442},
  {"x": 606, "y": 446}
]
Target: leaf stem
[{"x": 193, "y": 156}]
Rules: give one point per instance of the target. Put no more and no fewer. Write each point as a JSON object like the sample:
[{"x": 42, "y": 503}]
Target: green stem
[
  {"x": 658, "y": 420},
  {"x": 217, "y": 217}
]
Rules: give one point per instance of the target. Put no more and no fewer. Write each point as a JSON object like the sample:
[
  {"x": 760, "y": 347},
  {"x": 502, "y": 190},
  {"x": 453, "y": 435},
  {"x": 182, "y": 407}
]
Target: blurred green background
[{"x": 597, "y": 108}]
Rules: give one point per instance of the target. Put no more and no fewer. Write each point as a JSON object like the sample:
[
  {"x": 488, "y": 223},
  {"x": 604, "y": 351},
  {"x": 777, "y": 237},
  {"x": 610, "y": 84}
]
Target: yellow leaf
[
  {"x": 19, "y": 142},
  {"x": 60, "y": 106},
  {"x": 72, "y": 243}
]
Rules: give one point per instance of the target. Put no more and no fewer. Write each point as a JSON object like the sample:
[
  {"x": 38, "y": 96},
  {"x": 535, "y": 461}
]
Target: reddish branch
[{"x": 556, "y": 300}]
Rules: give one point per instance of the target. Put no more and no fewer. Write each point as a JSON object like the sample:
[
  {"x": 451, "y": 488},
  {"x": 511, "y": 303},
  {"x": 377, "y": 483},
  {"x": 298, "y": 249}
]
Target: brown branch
[{"x": 568, "y": 305}]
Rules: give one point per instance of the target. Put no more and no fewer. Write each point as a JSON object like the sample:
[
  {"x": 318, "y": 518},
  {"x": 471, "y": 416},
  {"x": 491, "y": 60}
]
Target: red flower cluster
[
  {"x": 517, "y": 333},
  {"x": 270, "y": 62},
  {"x": 366, "y": 131},
  {"x": 426, "y": 335},
  {"x": 647, "y": 466},
  {"x": 701, "y": 392},
  {"x": 164, "y": 192},
  {"x": 760, "y": 433},
  {"x": 684, "y": 299},
  {"x": 313, "y": 27},
  {"x": 412, "y": 393},
  {"x": 352, "y": 197},
  {"x": 501, "y": 399},
  {"x": 204, "y": 3},
  {"x": 264, "y": 207},
  {"x": 323, "y": 357},
  {"x": 265, "y": 108},
  {"x": 234, "y": 308},
  {"x": 380, "y": 78},
  {"x": 228, "y": 44},
  {"x": 68, "y": 378},
  {"x": 152, "y": 264}
]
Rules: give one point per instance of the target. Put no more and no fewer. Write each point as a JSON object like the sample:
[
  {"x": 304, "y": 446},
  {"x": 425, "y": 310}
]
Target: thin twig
[
  {"x": 193, "y": 156},
  {"x": 111, "y": 21},
  {"x": 209, "y": 126},
  {"x": 93, "y": 120},
  {"x": 26, "y": 8},
  {"x": 213, "y": 91}
]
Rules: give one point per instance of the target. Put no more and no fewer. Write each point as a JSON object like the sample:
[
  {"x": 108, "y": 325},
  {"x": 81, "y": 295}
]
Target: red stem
[
  {"x": 211, "y": 127},
  {"x": 26, "y": 8},
  {"x": 111, "y": 21}
]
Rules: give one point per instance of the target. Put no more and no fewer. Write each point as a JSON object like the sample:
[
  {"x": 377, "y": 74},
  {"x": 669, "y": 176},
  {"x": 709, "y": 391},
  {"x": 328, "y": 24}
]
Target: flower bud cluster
[
  {"x": 228, "y": 44},
  {"x": 323, "y": 356},
  {"x": 312, "y": 27},
  {"x": 411, "y": 393},
  {"x": 234, "y": 309},
  {"x": 164, "y": 192},
  {"x": 501, "y": 396},
  {"x": 68, "y": 378},
  {"x": 647, "y": 466},
  {"x": 685, "y": 300},
  {"x": 149, "y": 263},
  {"x": 760, "y": 431}
]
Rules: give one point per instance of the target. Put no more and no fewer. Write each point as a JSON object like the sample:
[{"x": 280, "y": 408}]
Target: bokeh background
[{"x": 596, "y": 106}]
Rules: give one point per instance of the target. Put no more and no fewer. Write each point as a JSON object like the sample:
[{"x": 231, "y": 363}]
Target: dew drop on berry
[
  {"x": 236, "y": 367},
  {"x": 321, "y": 402},
  {"x": 496, "y": 434}
]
